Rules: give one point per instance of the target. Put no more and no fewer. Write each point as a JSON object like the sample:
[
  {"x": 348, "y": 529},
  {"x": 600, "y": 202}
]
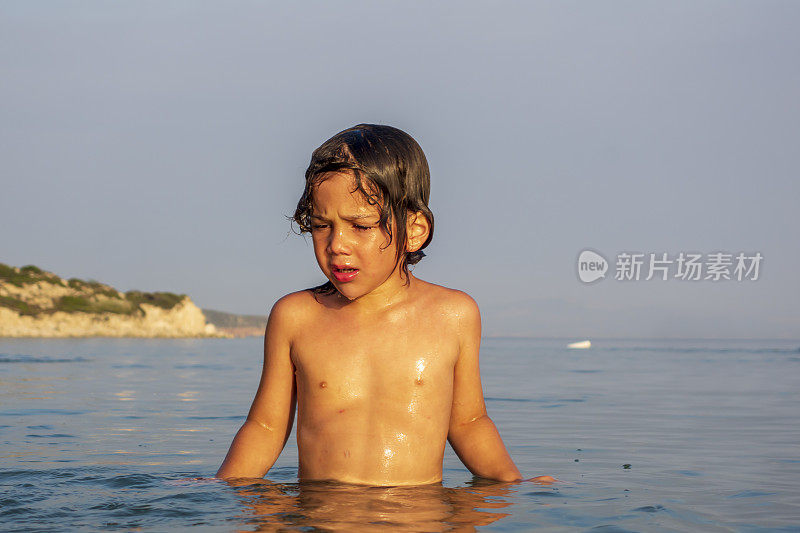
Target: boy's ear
[{"x": 417, "y": 229}]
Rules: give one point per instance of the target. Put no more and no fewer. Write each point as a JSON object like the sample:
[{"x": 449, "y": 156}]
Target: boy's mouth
[{"x": 344, "y": 273}]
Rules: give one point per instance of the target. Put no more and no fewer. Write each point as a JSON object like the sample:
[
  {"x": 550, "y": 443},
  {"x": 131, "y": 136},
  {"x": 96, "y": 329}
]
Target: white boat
[{"x": 582, "y": 345}]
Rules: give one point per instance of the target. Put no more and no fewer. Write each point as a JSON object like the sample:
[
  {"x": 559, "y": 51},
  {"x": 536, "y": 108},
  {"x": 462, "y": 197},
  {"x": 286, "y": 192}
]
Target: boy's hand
[{"x": 543, "y": 480}]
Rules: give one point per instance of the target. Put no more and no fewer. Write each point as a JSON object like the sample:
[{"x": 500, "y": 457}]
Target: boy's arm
[
  {"x": 472, "y": 433},
  {"x": 269, "y": 422}
]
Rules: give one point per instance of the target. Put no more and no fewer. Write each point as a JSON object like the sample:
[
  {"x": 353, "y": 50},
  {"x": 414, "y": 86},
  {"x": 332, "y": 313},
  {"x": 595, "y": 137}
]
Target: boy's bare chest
[{"x": 364, "y": 357}]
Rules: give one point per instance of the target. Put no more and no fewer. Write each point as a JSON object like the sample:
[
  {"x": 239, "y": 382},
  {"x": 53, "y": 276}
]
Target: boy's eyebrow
[{"x": 348, "y": 217}]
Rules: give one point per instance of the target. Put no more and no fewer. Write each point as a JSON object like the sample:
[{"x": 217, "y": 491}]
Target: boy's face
[{"x": 352, "y": 249}]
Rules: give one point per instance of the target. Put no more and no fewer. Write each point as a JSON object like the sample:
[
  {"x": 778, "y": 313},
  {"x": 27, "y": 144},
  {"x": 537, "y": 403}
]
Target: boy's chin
[
  {"x": 352, "y": 291},
  {"x": 344, "y": 292},
  {"x": 345, "y": 296}
]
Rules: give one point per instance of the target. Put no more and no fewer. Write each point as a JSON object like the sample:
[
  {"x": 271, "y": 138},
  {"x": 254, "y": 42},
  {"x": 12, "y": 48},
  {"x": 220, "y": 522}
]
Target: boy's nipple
[{"x": 323, "y": 384}]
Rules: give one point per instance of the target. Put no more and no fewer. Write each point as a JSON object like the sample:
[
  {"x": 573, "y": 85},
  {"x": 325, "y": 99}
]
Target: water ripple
[
  {"x": 650, "y": 508},
  {"x": 545, "y": 494},
  {"x": 28, "y": 359},
  {"x": 130, "y": 481},
  {"x": 751, "y": 494}
]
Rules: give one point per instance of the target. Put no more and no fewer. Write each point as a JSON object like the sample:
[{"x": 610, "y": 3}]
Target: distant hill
[
  {"x": 37, "y": 303},
  {"x": 237, "y": 325},
  {"x": 230, "y": 320}
]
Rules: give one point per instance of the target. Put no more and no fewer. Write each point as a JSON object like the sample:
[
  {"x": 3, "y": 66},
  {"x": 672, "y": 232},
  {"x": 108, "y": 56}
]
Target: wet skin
[
  {"x": 383, "y": 371},
  {"x": 377, "y": 408}
]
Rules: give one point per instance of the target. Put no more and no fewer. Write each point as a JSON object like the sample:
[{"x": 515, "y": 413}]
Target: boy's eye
[{"x": 357, "y": 227}]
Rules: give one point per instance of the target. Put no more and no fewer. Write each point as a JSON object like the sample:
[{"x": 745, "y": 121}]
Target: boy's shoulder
[
  {"x": 297, "y": 304},
  {"x": 448, "y": 302}
]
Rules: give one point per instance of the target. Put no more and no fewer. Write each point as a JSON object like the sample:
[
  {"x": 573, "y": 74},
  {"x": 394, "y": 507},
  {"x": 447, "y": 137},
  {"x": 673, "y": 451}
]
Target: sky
[{"x": 162, "y": 145}]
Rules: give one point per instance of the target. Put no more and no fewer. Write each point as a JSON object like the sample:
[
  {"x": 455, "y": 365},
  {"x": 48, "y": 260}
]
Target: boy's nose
[{"x": 337, "y": 243}]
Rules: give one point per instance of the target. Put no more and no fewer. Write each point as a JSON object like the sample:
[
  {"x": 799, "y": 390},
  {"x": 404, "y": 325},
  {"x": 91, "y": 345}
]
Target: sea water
[{"x": 645, "y": 435}]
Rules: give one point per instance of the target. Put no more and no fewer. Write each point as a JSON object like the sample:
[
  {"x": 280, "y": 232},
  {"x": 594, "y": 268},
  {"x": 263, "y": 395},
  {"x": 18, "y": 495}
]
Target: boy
[{"x": 382, "y": 366}]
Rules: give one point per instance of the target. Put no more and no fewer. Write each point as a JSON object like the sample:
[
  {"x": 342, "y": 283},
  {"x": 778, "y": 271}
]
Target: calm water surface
[{"x": 646, "y": 435}]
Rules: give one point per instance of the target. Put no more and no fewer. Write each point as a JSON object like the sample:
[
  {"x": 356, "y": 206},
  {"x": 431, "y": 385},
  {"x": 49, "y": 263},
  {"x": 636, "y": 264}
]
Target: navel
[
  {"x": 323, "y": 384},
  {"x": 418, "y": 381}
]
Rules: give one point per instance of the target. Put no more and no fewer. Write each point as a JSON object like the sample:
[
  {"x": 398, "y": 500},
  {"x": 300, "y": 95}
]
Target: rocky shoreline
[{"x": 36, "y": 303}]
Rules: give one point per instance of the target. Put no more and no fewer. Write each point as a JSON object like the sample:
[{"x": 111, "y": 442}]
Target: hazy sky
[{"x": 160, "y": 146}]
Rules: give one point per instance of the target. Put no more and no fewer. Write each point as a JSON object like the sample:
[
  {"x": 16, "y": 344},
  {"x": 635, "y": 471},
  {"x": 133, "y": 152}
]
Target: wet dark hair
[{"x": 389, "y": 169}]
